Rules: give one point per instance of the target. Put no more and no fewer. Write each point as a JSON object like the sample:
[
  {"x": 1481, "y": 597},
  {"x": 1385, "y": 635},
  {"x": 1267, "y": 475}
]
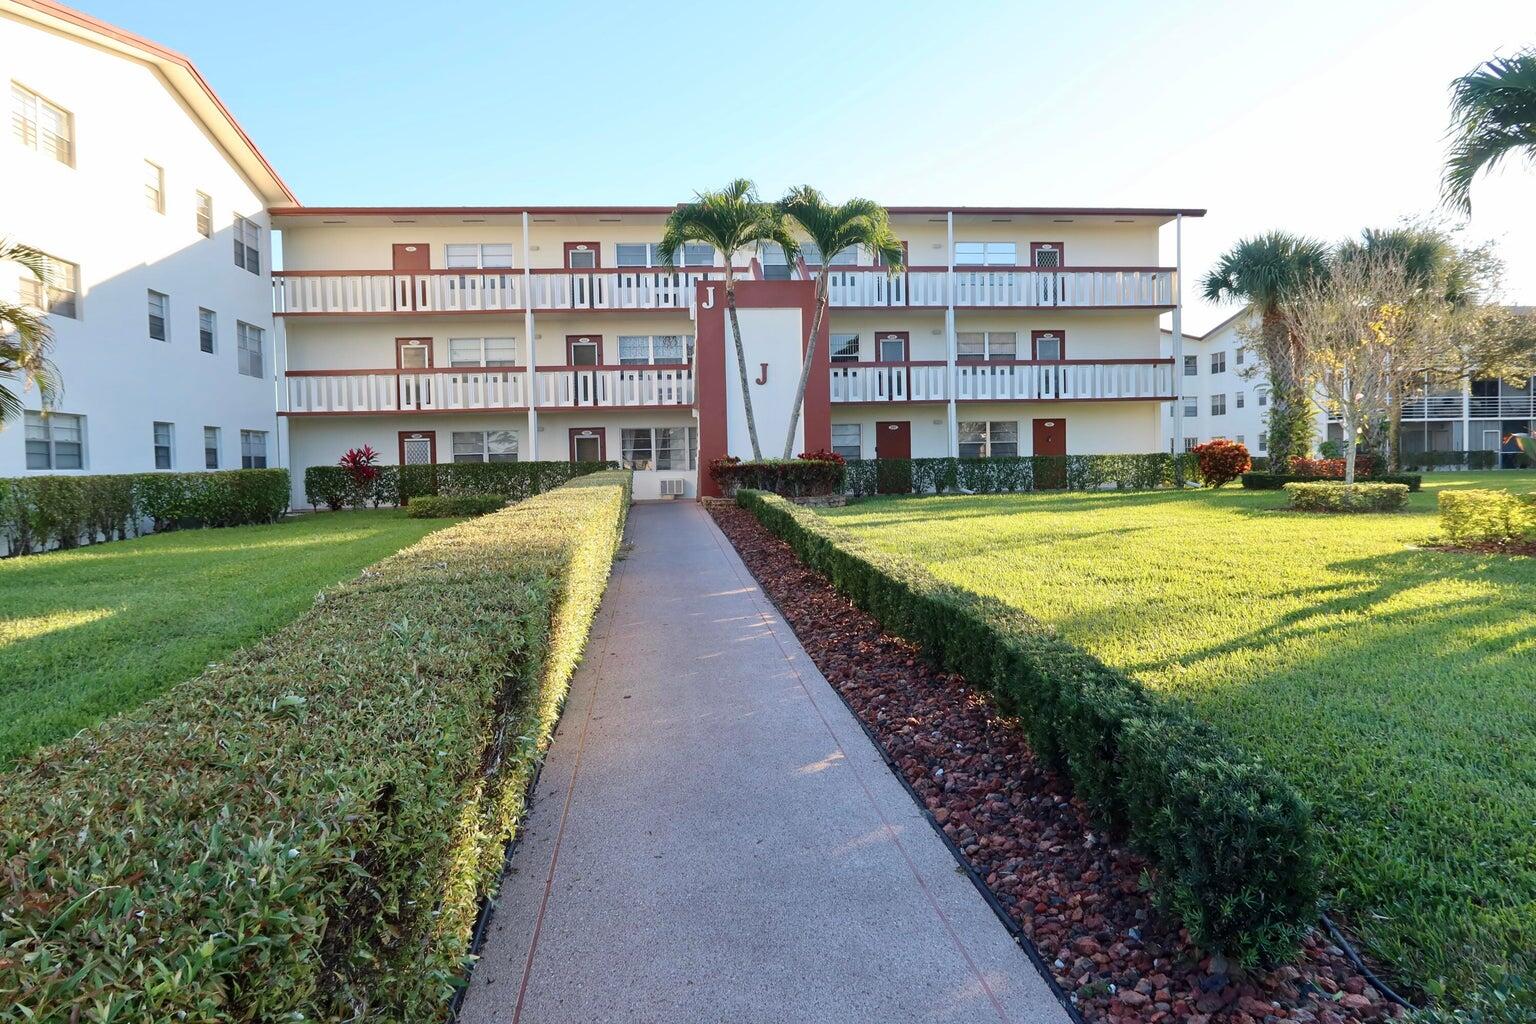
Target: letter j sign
[{"x": 762, "y": 378}]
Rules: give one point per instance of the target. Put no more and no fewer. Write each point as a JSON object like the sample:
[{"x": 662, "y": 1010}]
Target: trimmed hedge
[
  {"x": 811, "y": 474},
  {"x": 1478, "y": 516},
  {"x": 1277, "y": 481},
  {"x": 332, "y": 487},
  {"x": 306, "y": 831},
  {"x": 39, "y": 512},
  {"x": 1337, "y": 496},
  {"x": 1004, "y": 474},
  {"x": 1233, "y": 845},
  {"x": 431, "y": 506}
]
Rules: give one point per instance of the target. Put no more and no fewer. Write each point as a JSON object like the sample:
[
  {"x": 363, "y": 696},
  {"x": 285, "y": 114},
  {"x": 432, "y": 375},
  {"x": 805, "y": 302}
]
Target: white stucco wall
[{"x": 95, "y": 214}]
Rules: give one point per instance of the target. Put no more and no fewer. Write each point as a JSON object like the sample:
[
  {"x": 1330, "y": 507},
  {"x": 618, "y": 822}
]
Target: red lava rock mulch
[{"x": 1074, "y": 893}]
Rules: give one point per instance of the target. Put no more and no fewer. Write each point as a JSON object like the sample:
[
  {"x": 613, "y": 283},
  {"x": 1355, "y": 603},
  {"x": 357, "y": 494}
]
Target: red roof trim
[
  {"x": 448, "y": 211},
  {"x": 85, "y": 21}
]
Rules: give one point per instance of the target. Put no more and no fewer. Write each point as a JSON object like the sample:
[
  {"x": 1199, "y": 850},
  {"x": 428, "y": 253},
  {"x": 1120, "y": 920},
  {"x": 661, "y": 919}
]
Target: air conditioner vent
[{"x": 674, "y": 488}]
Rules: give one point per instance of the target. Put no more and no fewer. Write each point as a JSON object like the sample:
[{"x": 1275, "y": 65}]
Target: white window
[
  {"x": 154, "y": 186},
  {"x": 482, "y": 351},
  {"x": 250, "y": 359},
  {"x": 1191, "y": 407},
  {"x": 207, "y": 329},
  {"x": 485, "y": 446},
  {"x": 1240, "y": 439},
  {"x": 1263, "y": 399},
  {"x": 1218, "y": 362},
  {"x": 1263, "y": 442},
  {"x": 247, "y": 245},
  {"x": 648, "y": 254},
  {"x": 41, "y": 126},
  {"x": 1190, "y": 443},
  {"x": 987, "y": 438},
  {"x": 253, "y": 449},
  {"x": 1239, "y": 354},
  {"x": 977, "y": 346},
  {"x": 775, "y": 264},
  {"x": 205, "y": 214},
  {"x": 986, "y": 254},
  {"x": 1191, "y": 366},
  {"x": 848, "y": 257},
  {"x": 844, "y": 348},
  {"x": 652, "y": 349},
  {"x": 1218, "y": 405},
  {"x": 164, "y": 445},
  {"x": 479, "y": 255},
  {"x": 848, "y": 440},
  {"x": 668, "y": 448},
  {"x": 55, "y": 440},
  {"x": 159, "y": 316},
  {"x": 210, "y": 447},
  {"x": 1238, "y": 398},
  {"x": 57, "y": 293}
]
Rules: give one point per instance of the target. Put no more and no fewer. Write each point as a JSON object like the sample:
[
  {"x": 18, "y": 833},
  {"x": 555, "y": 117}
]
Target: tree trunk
[
  {"x": 805, "y": 369},
  {"x": 1351, "y": 443},
  {"x": 1290, "y": 432},
  {"x": 1395, "y": 428},
  {"x": 741, "y": 362}
]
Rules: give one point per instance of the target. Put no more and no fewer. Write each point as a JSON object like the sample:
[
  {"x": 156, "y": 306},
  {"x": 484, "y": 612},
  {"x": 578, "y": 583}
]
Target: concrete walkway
[{"x": 714, "y": 839}]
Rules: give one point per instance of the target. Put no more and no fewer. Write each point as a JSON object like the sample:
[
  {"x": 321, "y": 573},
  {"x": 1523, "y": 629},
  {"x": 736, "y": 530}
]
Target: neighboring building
[
  {"x": 486, "y": 334},
  {"x": 1225, "y": 391},
  {"x": 125, "y": 169}
]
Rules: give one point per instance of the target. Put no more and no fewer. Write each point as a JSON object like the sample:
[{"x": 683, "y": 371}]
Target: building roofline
[
  {"x": 505, "y": 211},
  {"x": 1221, "y": 326},
  {"x": 182, "y": 75}
]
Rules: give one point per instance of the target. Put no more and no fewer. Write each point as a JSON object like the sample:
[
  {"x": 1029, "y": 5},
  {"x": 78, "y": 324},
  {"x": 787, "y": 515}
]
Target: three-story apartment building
[
  {"x": 502, "y": 333},
  {"x": 149, "y": 202}
]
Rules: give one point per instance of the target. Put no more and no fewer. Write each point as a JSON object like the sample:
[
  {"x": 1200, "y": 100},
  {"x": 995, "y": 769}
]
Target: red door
[
  {"x": 411, "y": 257},
  {"x": 588, "y": 444},
  {"x": 1051, "y": 440},
  {"x": 893, "y": 447}
]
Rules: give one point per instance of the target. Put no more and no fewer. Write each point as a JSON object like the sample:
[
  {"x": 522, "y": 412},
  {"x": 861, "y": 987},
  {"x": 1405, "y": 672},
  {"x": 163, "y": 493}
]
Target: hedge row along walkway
[{"x": 715, "y": 839}]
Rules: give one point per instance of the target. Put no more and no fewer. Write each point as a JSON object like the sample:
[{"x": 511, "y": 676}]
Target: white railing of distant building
[
  {"x": 1476, "y": 407},
  {"x": 616, "y": 387},
  {"x": 1065, "y": 380},
  {"x": 357, "y": 391}
]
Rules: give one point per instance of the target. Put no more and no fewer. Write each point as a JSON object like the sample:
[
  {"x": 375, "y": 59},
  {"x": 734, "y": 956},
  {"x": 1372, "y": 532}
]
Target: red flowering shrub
[
  {"x": 1221, "y": 461},
  {"x": 1331, "y": 469},
  {"x": 822, "y": 455},
  {"x": 362, "y": 467}
]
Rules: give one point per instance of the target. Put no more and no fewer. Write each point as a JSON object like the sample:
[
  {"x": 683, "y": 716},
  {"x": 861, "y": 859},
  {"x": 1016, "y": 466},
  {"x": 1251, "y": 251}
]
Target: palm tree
[
  {"x": 1493, "y": 115},
  {"x": 730, "y": 220},
  {"x": 835, "y": 229},
  {"x": 1266, "y": 272},
  {"x": 24, "y": 337}
]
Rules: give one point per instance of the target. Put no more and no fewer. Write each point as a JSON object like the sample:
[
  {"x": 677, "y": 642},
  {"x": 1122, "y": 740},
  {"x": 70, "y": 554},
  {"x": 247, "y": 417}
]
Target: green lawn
[
  {"x": 1395, "y": 686},
  {"x": 90, "y": 632}
]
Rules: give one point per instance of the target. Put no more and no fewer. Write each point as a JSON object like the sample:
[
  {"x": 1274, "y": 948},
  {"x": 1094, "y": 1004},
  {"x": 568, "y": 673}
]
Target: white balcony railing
[
  {"x": 1004, "y": 287},
  {"x": 364, "y": 391},
  {"x": 569, "y": 387},
  {"x": 1449, "y": 407},
  {"x": 1074, "y": 380},
  {"x": 475, "y": 291}
]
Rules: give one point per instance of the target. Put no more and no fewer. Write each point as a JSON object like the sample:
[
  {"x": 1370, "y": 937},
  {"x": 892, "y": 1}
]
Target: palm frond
[
  {"x": 25, "y": 338},
  {"x": 1264, "y": 270},
  {"x": 1493, "y": 116}
]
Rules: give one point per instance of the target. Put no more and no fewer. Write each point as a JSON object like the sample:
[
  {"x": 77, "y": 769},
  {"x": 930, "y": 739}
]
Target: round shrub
[
  {"x": 1222, "y": 461},
  {"x": 1339, "y": 497}
]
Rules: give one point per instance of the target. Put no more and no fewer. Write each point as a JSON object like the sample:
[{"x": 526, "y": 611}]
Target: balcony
[
  {"x": 312, "y": 392},
  {"x": 1448, "y": 407},
  {"x": 383, "y": 292},
  {"x": 360, "y": 392},
  {"x": 378, "y": 292},
  {"x": 1073, "y": 380},
  {"x": 1004, "y": 288}
]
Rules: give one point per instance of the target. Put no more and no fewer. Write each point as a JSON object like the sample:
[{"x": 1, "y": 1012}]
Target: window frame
[
  {"x": 1219, "y": 399},
  {"x": 207, "y": 330},
  {"x": 989, "y": 441},
  {"x": 46, "y": 294},
  {"x": 985, "y": 254},
  {"x": 27, "y": 127},
  {"x": 1192, "y": 366},
  {"x": 1218, "y": 362},
  {"x": 248, "y": 454},
  {"x": 987, "y": 355},
  {"x": 247, "y": 238},
  {"x": 202, "y": 217},
  {"x": 154, "y": 186},
  {"x": 478, "y": 255},
  {"x": 169, "y": 445},
  {"x": 483, "y": 346},
  {"x": 857, "y": 446},
  {"x": 164, "y": 315},
  {"x": 654, "y": 447},
  {"x": 483, "y": 452},
  {"x": 243, "y": 331},
  {"x": 834, "y": 356},
  {"x": 44, "y": 419},
  {"x": 211, "y": 453},
  {"x": 687, "y": 341}
]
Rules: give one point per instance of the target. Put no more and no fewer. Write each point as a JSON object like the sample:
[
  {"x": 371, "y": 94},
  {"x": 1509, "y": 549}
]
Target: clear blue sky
[{"x": 1319, "y": 115}]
